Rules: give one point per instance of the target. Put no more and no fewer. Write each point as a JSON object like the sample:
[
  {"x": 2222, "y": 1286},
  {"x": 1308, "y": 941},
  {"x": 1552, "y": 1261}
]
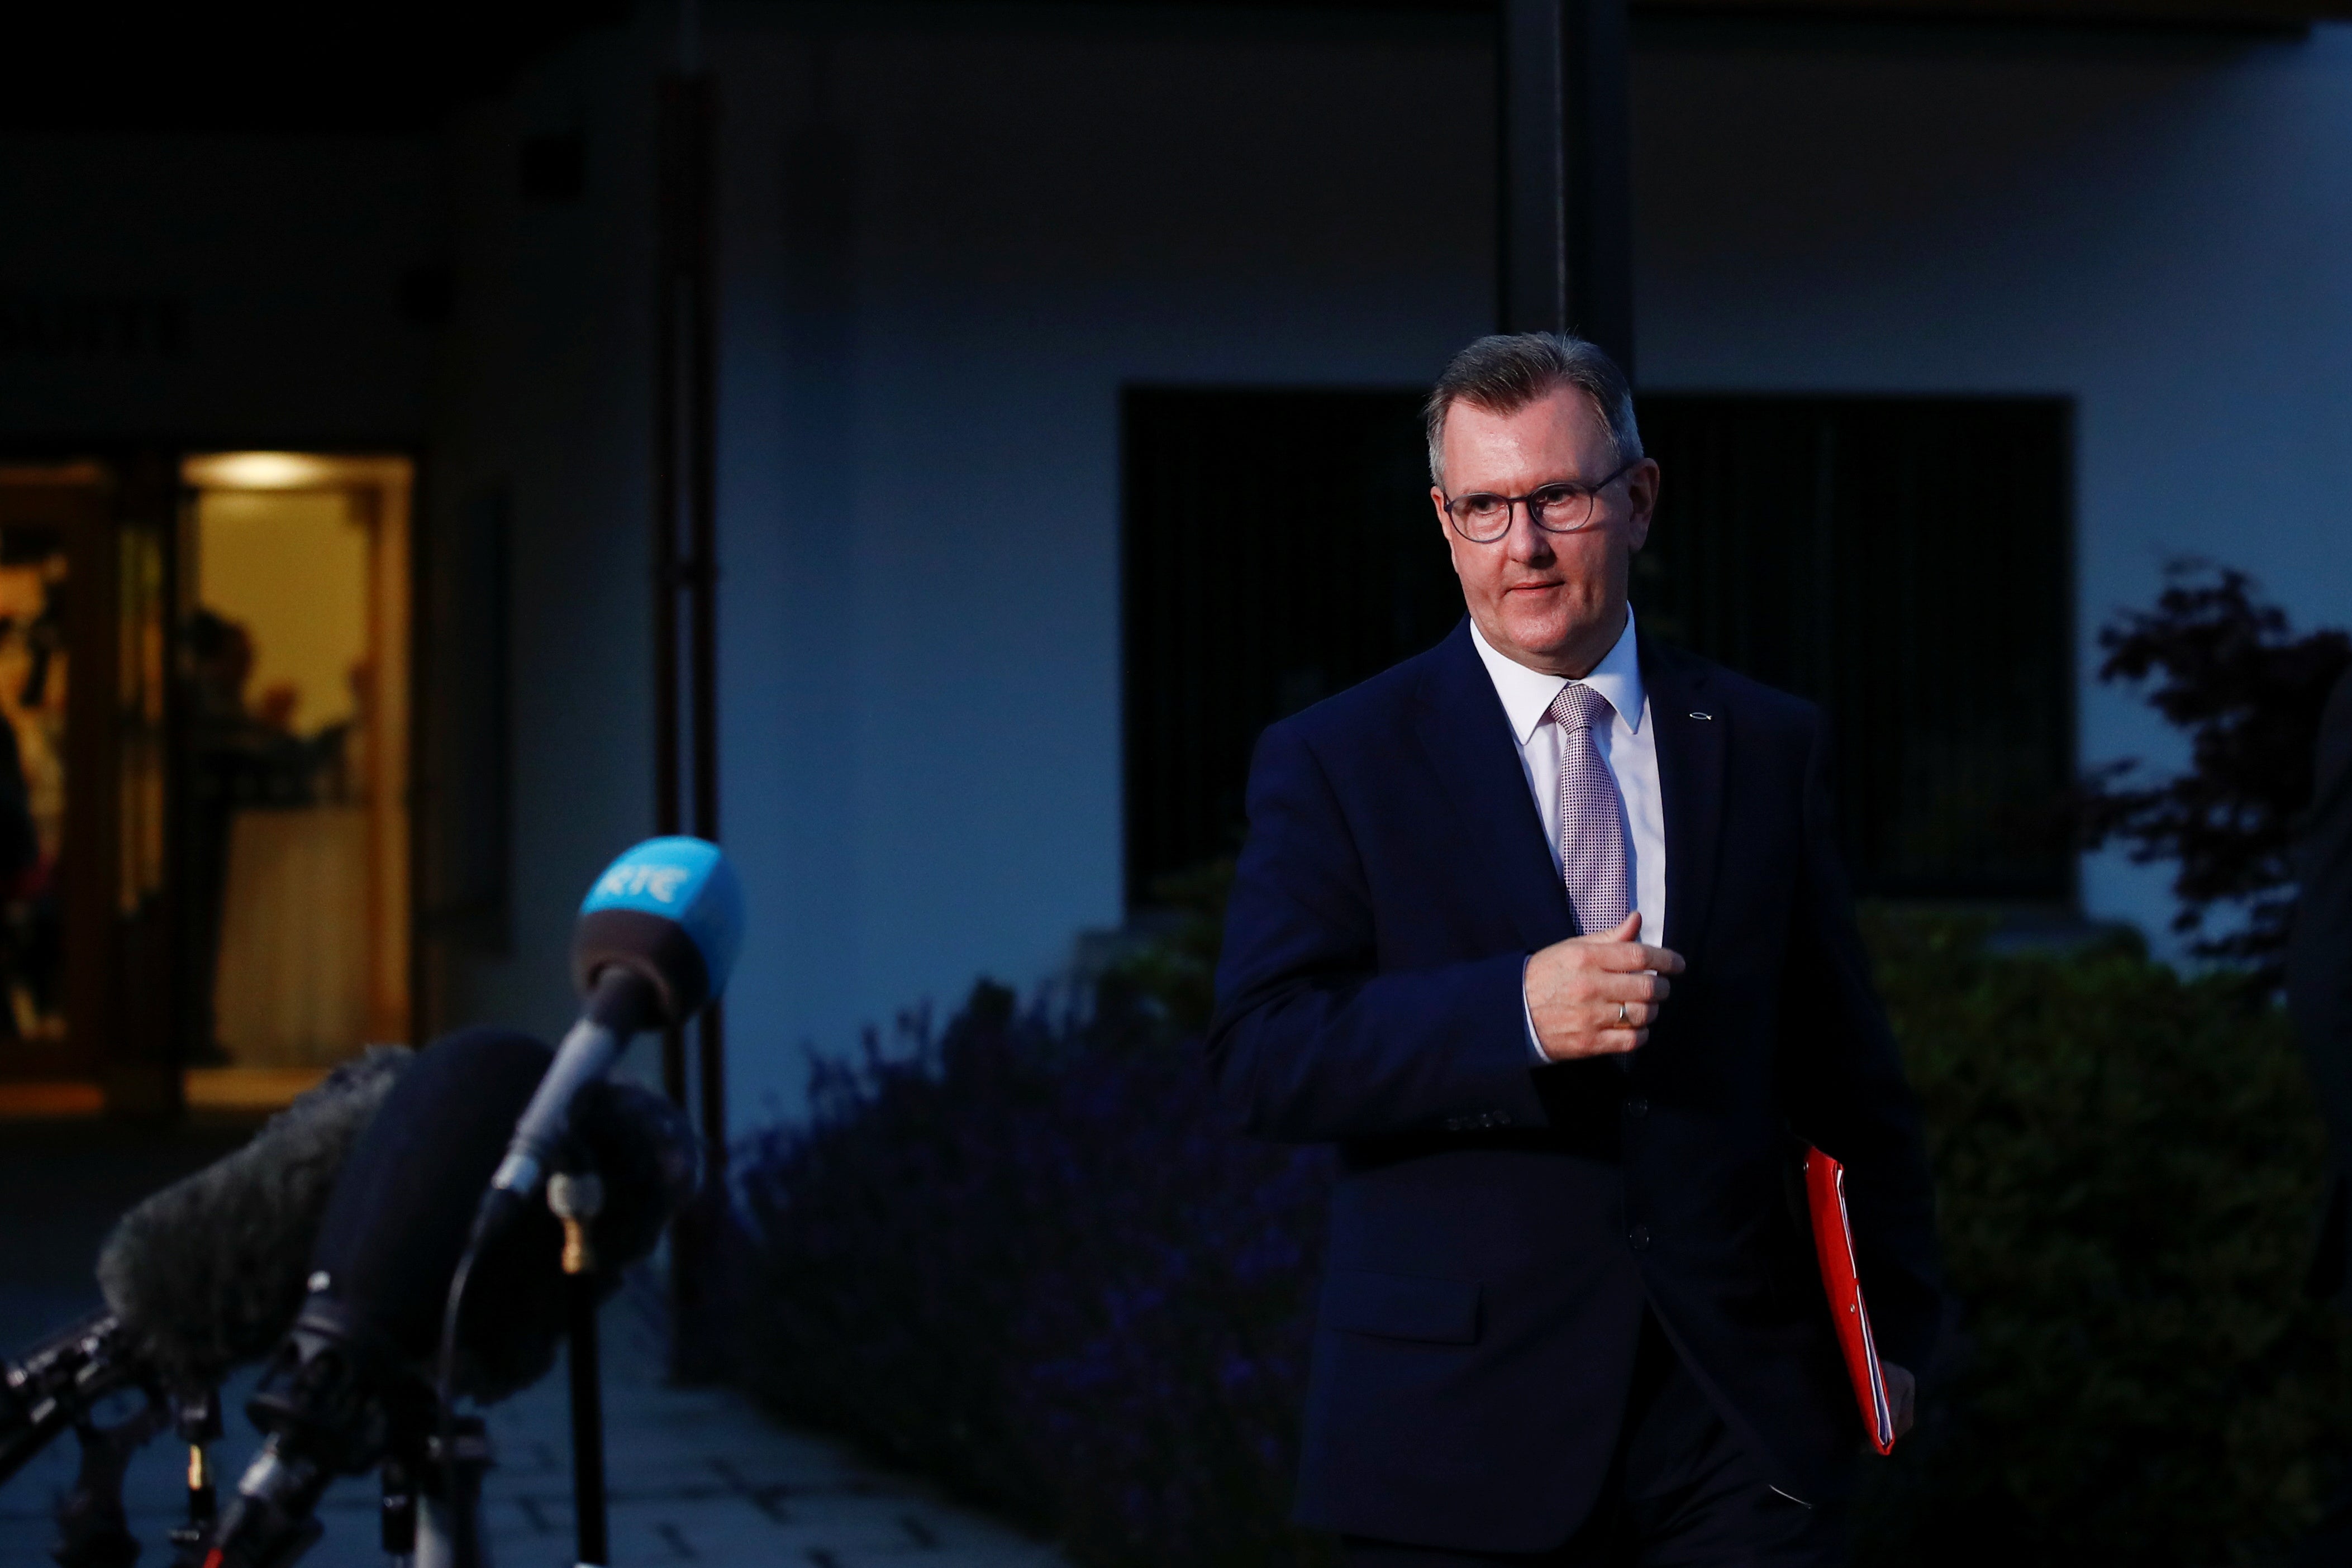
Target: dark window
[
  {"x": 1279, "y": 545},
  {"x": 1906, "y": 562}
]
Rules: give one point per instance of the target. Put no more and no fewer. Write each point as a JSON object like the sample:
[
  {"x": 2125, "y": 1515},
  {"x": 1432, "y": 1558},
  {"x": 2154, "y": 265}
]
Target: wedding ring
[{"x": 1620, "y": 1012}]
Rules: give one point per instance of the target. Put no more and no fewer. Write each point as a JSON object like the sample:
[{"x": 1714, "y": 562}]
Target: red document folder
[{"x": 1833, "y": 1243}]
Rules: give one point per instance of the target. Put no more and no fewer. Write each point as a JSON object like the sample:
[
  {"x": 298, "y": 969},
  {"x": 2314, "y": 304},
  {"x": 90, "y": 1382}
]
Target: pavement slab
[{"x": 697, "y": 1475}]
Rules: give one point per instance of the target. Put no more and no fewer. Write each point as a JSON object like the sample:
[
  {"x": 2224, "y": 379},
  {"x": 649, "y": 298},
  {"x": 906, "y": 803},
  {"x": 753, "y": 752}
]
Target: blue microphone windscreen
[{"x": 685, "y": 880}]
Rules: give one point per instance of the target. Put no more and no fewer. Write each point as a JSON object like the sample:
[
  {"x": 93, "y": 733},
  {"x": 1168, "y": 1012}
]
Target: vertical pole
[
  {"x": 577, "y": 1197},
  {"x": 702, "y": 589},
  {"x": 587, "y": 1424},
  {"x": 672, "y": 280},
  {"x": 1566, "y": 250},
  {"x": 686, "y": 634}
]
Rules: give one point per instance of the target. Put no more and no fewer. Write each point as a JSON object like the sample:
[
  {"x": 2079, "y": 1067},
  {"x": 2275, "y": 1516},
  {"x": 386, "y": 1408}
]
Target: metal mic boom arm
[
  {"x": 57, "y": 1382},
  {"x": 623, "y": 1003}
]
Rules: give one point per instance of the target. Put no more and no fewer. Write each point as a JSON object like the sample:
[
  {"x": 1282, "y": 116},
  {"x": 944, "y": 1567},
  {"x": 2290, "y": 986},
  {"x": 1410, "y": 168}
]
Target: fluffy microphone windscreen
[
  {"x": 405, "y": 1205},
  {"x": 209, "y": 1272},
  {"x": 401, "y": 1214}
]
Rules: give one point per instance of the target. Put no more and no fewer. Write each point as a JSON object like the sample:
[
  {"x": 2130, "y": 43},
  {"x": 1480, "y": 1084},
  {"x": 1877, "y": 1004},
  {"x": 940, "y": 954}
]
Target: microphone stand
[
  {"x": 92, "y": 1531},
  {"x": 197, "y": 1420},
  {"x": 577, "y": 1198},
  {"x": 448, "y": 1508}
]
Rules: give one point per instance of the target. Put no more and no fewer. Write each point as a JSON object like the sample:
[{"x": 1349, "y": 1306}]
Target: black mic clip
[
  {"x": 332, "y": 1400},
  {"x": 333, "y": 1388},
  {"x": 433, "y": 1490}
]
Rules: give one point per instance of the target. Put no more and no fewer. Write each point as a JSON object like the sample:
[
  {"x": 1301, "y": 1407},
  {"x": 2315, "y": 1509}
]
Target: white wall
[
  {"x": 947, "y": 247},
  {"x": 948, "y": 239},
  {"x": 542, "y": 407}
]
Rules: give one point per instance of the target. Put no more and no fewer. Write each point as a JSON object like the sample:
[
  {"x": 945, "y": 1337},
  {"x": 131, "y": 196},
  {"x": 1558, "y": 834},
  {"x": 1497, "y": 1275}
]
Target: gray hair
[{"x": 1507, "y": 371}]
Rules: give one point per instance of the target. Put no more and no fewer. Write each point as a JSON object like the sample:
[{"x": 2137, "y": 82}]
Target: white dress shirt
[{"x": 1628, "y": 749}]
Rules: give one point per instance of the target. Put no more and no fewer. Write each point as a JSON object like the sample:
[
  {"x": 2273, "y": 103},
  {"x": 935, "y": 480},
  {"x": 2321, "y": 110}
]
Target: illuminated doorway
[
  {"x": 294, "y": 634},
  {"x": 204, "y": 776}
]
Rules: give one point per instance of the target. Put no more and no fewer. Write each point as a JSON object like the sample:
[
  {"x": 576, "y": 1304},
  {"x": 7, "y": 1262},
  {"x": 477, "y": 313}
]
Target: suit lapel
[
  {"x": 1467, "y": 737},
  {"x": 1691, "y": 753}
]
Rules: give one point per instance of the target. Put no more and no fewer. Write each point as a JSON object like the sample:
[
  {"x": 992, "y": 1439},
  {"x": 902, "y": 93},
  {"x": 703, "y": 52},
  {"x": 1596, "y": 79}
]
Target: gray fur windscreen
[{"x": 209, "y": 1272}]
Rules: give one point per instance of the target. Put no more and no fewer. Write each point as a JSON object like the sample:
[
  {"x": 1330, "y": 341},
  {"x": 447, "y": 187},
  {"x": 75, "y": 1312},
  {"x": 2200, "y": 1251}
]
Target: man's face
[{"x": 1551, "y": 601}]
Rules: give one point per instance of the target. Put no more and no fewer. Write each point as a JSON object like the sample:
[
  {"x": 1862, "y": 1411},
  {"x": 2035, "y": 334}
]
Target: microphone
[
  {"x": 204, "y": 1275},
  {"x": 392, "y": 1235},
  {"x": 349, "y": 1381},
  {"x": 656, "y": 938},
  {"x": 209, "y": 1273}
]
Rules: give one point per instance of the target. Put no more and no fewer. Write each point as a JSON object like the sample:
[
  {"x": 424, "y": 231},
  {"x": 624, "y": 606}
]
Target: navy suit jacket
[{"x": 1498, "y": 1226}]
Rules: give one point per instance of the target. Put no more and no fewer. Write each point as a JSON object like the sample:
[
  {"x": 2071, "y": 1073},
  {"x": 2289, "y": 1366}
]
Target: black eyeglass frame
[{"x": 1592, "y": 494}]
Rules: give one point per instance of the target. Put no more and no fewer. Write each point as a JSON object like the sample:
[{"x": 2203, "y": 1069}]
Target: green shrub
[{"x": 2128, "y": 1169}]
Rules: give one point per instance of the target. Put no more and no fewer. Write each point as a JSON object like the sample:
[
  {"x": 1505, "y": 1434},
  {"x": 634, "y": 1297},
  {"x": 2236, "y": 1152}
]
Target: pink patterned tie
[{"x": 1592, "y": 859}]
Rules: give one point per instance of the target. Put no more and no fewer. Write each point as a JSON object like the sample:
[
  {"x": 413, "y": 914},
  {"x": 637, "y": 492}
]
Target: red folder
[{"x": 1834, "y": 1242}]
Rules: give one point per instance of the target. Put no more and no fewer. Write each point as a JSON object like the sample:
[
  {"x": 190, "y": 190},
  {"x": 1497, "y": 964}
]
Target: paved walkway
[
  {"x": 698, "y": 1476},
  {"x": 702, "y": 1475}
]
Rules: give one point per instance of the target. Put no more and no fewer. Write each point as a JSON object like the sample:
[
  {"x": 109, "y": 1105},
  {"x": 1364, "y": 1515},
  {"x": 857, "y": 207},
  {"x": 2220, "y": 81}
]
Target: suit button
[
  {"x": 1639, "y": 1238},
  {"x": 1637, "y": 1106}
]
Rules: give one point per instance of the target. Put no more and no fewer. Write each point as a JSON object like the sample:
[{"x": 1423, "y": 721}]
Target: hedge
[{"x": 2129, "y": 1167}]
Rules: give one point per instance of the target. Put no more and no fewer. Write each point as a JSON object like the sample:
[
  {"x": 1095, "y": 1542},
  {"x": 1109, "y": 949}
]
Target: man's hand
[
  {"x": 1902, "y": 1395},
  {"x": 1598, "y": 996}
]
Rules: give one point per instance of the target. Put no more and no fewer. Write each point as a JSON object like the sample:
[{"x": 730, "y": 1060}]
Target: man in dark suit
[{"x": 1568, "y": 1315}]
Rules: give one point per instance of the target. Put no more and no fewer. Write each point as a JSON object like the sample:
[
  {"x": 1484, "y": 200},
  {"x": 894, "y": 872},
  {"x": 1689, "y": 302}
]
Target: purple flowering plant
[{"x": 1023, "y": 1255}]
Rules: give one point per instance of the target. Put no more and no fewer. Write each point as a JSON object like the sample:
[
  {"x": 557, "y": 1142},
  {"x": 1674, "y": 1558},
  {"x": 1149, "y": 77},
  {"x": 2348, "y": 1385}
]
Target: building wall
[
  {"x": 2151, "y": 224},
  {"x": 946, "y": 250},
  {"x": 541, "y": 424},
  {"x": 945, "y": 246}
]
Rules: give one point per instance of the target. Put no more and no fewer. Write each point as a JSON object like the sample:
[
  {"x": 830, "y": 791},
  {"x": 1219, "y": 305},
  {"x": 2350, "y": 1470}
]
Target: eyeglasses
[{"x": 1482, "y": 516}]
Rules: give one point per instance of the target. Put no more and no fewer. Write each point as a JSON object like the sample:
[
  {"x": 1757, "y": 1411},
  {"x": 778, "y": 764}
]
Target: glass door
[
  {"x": 49, "y": 513},
  {"x": 204, "y": 777},
  {"x": 85, "y": 972},
  {"x": 294, "y": 636}
]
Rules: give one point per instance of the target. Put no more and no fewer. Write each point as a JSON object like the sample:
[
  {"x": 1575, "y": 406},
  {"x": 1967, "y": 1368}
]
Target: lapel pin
[{"x": 1696, "y": 713}]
